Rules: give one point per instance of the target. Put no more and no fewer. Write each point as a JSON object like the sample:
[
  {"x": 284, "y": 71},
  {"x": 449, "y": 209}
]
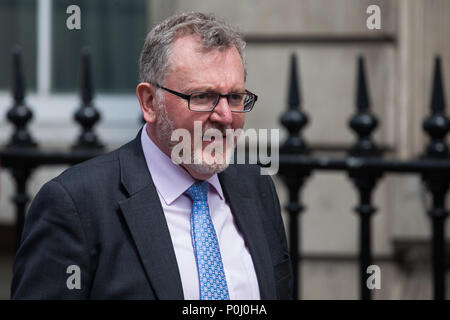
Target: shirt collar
[{"x": 171, "y": 180}]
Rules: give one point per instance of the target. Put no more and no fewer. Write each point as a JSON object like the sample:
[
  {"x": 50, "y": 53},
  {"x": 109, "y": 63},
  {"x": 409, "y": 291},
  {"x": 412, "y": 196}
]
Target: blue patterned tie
[{"x": 213, "y": 285}]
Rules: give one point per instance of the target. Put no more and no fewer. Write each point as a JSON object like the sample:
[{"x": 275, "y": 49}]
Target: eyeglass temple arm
[{"x": 179, "y": 94}]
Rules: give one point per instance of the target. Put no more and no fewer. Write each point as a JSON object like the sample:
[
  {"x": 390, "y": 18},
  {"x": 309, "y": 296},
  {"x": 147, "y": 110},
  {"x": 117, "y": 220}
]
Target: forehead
[{"x": 191, "y": 64}]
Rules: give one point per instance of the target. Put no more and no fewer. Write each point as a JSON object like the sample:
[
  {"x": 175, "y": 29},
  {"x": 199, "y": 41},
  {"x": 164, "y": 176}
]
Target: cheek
[
  {"x": 238, "y": 121},
  {"x": 181, "y": 118},
  {"x": 187, "y": 121}
]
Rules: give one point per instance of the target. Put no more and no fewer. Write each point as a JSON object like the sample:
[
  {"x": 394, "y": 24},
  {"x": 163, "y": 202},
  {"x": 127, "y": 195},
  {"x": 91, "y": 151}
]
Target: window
[
  {"x": 17, "y": 27},
  {"x": 114, "y": 30}
]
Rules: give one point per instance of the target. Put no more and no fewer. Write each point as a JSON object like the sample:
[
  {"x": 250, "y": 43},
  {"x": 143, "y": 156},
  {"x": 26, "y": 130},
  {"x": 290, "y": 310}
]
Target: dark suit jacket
[{"x": 105, "y": 216}]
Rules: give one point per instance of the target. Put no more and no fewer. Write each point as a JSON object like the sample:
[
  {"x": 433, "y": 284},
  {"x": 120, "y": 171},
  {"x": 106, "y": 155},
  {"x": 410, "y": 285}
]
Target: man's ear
[{"x": 146, "y": 94}]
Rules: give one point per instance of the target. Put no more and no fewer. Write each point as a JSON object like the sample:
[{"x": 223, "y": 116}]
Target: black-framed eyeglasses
[{"x": 206, "y": 101}]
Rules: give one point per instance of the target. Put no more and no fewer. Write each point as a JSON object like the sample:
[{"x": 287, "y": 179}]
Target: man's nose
[{"x": 222, "y": 112}]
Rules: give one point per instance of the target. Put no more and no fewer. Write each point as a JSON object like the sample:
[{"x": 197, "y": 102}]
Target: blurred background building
[{"x": 327, "y": 37}]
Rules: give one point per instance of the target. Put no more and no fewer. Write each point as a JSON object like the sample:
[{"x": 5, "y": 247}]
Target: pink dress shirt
[{"x": 171, "y": 181}]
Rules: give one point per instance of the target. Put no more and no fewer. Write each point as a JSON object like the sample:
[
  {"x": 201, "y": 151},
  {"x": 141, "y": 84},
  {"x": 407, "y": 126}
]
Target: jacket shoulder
[
  {"x": 95, "y": 171},
  {"x": 90, "y": 169}
]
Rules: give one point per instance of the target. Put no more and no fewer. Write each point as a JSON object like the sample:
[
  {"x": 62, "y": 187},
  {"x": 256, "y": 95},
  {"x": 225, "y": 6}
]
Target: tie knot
[{"x": 198, "y": 191}]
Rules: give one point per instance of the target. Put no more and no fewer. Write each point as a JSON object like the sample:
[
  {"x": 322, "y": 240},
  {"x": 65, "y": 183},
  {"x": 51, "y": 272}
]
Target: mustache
[{"x": 222, "y": 128}]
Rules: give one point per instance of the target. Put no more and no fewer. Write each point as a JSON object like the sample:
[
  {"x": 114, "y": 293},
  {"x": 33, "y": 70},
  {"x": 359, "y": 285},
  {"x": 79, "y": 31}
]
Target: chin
[
  {"x": 205, "y": 164},
  {"x": 208, "y": 169}
]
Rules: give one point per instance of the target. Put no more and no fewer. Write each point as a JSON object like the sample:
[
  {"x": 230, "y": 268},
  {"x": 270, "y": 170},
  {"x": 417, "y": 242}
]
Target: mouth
[{"x": 212, "y": 138}]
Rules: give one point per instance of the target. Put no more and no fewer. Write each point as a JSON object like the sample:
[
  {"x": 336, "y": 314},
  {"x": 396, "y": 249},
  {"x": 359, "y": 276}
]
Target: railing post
[
  {"x": 363, "y": 123},
  {"x": 87, "y": 115},
  {"x": 20, "y": 174},
  {"x": 19, "y": 115},
  {"x": 437, "y": 126},
  {"x": 294, "y": 119}
]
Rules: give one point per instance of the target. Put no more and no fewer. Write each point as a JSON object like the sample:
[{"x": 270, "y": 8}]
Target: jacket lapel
[
  {"x": 249, "y": 223},
  {"x": 145, "y": 218}
]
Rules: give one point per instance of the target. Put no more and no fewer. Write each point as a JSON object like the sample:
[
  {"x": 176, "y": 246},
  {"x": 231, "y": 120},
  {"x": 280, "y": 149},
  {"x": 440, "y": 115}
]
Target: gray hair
[{"x": 214, "y": 34}]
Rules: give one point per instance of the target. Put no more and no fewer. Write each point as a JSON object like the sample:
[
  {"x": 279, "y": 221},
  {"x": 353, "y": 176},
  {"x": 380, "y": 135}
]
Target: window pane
[
  {"x": 18, "y": 27},
  {"x": 114, "y": 30}
]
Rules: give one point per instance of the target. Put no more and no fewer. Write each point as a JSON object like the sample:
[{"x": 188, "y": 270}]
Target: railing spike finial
[
  {"x": 18, "y": 81},
  {"x": 294, "y": 89},
  {"x": 362, "y": 96},
  {"x": 19, "y": 114},
  {"x": 363, "y": 122},
  {"x": 437, "y": 96},
  {"x": 437, "y": 125},
  {"x": 87, "y": 116},
  {"x": 294, "y": 119},
  {"x": 86, "y": 84}
]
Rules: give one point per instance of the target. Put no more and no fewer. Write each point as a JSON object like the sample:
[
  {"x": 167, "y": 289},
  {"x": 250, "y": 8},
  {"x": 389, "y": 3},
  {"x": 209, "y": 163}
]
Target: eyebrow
[{"x": 205, "y": 88}]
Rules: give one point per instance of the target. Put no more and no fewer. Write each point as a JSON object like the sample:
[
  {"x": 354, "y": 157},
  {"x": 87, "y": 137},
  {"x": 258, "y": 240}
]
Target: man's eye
[
  {"x": 236, "y": 98},
  {"x": 203, "y": 97}
]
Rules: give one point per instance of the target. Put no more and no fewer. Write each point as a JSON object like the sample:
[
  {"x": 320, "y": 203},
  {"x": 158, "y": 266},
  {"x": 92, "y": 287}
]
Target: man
[{"x": 132, "y": 224}]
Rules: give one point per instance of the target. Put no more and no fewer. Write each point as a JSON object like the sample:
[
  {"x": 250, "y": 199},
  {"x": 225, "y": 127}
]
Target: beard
[{"x": 201, "y": 162}]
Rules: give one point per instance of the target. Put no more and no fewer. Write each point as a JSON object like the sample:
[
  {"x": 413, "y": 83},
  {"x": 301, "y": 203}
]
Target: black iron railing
[
  {"x": 365, "y": 166},
  {"x": 364, "y": 163},
  {"x": 22, "y": 155}
]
